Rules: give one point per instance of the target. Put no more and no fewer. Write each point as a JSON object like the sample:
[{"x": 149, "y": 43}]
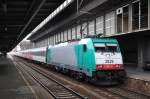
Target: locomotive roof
[
  {"x": 104, "y": 40},
  {"x": 85, "y": 41}
]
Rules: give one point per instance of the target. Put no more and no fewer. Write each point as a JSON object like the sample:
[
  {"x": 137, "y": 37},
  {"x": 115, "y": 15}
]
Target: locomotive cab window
[
  {"x": 112, "y": 47},
  {"x": 100, "y": 47},
  {"x": 106, "y": 47}
]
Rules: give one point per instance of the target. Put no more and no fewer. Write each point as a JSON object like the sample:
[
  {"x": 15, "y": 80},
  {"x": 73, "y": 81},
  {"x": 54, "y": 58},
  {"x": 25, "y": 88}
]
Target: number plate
[{"x": 109, "y": 61}]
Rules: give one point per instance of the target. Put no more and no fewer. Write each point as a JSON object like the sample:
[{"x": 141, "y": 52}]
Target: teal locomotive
[{"x": 91, "y": 59}]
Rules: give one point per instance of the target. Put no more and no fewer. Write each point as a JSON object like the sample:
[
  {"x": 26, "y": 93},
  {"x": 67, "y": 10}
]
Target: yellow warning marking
[{"x": 28, "y": 84}]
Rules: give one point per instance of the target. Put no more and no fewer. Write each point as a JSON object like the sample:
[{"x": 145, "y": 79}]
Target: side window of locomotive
[
  {"x": 84, "y": 48},
  {"x": 100, "y": 47}
]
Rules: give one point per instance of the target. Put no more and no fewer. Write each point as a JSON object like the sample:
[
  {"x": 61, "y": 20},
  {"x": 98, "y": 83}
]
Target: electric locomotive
[
  {"x": 96, "y": 60},
  {"x": 92, "y": 59}
]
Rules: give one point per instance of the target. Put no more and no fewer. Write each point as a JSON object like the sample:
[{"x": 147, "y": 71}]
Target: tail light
[{"x": 109, "y": 66}]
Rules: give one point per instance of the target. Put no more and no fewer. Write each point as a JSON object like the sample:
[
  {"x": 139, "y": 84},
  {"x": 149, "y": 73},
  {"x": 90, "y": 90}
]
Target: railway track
[
  {"x": 56, "y": 89},
  {"x": 111, "y": 92}
]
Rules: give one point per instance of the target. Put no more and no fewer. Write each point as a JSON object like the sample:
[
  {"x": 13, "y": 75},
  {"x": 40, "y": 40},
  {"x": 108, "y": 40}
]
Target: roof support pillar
[
  {"x": 141, "y": 60},
  {"x": 149, "y": 14}
]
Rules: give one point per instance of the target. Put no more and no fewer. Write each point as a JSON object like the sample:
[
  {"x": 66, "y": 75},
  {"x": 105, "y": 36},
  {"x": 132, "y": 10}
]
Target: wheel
[{"x": 87, "y": 78}]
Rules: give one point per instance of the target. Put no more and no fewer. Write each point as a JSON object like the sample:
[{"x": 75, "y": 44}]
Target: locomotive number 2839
[{"x": 109, "y": 61}]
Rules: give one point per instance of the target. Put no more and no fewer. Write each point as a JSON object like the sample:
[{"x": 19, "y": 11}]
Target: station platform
[
  {"x": 12, "y": 85},
  {"x": 137, "y": 73},
  {"x": 138, "y": 80}
]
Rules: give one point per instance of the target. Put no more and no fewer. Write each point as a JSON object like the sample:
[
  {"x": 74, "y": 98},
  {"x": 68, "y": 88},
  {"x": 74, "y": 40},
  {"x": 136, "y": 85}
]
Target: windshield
[
  {"x": 112, "y": 47},
  {"x": 100, "y": 47},
  {"x": 106, "y": 47}
]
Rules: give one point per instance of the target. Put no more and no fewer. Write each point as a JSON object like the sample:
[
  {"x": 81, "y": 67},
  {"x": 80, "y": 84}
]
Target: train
[{"x": 96, "y": 60}]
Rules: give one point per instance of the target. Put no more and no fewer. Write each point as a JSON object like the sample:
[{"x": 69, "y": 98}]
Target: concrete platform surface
[
  {"x": 138, "y": 80},
  {"x": 138, "y": 73},
  {"x": 12, "y": 85}
]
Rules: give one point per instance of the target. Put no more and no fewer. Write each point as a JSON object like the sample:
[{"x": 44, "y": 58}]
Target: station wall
[{"x": 128, "y": 18}]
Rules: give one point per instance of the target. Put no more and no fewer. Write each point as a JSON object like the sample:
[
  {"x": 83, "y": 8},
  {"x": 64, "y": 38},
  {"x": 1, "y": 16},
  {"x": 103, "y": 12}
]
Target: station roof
[{"x": 20, "y": 17}]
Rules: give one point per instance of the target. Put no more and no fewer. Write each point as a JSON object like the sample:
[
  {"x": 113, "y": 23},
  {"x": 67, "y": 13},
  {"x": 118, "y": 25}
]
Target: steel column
[
  {"x": 149, "y": 14},
  {"x": 140, "y": 52}
]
